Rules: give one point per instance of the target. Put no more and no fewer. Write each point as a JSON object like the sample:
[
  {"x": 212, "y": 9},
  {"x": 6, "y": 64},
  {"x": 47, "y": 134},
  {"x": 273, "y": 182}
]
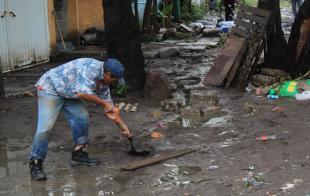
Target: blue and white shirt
[{"x": 77, "y": 76}]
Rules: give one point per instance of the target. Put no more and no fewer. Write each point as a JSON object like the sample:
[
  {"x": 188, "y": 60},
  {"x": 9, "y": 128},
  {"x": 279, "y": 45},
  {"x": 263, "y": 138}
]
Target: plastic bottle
[
  {"x": 273, "y": 96},
  {"x": 266, "y": 137}
]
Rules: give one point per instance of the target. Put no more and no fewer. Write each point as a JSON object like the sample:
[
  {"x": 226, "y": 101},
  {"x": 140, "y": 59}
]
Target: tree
[
  {"x": 275, "y": 50},
  {"x": 298, "y": 50},
  {"x": 122, "y": 38}
]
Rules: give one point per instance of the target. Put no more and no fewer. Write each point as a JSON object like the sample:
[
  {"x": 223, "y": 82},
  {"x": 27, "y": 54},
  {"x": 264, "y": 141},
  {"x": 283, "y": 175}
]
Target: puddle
[
  {"x": 219, "y": 121},
  {"x": 176, "y": 176}
]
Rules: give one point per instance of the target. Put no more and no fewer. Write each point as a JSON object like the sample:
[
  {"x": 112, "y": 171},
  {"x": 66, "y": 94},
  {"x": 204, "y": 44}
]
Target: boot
[
  {"x": 36, "y": 170},
  {"x": 80, "y": 157}
]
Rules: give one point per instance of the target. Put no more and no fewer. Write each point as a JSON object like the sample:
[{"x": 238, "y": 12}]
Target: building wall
[
  {"x": 90, "y": 14},
  {"x": 81, "y": 15},
  {"x": 52, "y": 27}
]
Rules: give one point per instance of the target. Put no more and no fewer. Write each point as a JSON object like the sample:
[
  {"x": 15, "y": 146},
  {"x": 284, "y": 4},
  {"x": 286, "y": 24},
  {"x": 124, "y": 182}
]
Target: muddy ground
[
  {"x": 228, "y": 160},
  {"x": 227, "y": 151}
]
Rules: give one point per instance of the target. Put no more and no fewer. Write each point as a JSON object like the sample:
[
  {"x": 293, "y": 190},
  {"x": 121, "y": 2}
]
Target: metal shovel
[{"x": 137, "y": 150}]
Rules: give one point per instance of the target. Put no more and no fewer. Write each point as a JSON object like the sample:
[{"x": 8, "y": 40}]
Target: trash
[
  {"x": 252, "y": 181},
  {"x": 156, "y": 114},
  {"x": 266, "y": 137},
  {"x": 250, "y": 108},
  {"x": 273, "y": 96},
  {"x": 134, "y": 107},
  {"x": 288, "y": 89},
  {"x": 303, "y": 96},
  {"x": 121, "y": 105},
  {"x": 161, "y": 125},
  {"x": 278, "y": 109},
  {"x": 286, "y": 187},
  {"x": 226, "y": 24},
  {"x": 186, "y": 122},
  {"x": 213, "y": 167},
  {"x": 127, "y": 107},
  {"x": 156, "y": 135},
  {"x": 250, "y": 88}
]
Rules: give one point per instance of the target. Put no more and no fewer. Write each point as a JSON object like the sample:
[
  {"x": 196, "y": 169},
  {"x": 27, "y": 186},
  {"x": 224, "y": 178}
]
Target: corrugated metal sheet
[
  {"x": 4, "y": 52},
  {"x": 27, "y": 32}
]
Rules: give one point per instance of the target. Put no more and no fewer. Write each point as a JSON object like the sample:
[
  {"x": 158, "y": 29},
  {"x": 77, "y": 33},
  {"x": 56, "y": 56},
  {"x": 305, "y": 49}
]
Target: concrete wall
[{"x": 80, "y": 15}]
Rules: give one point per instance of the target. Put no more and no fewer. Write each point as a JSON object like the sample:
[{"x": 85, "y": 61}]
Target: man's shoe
[
  {"x": 80, "y": 157},
  {"x": 36, "y": 170}
]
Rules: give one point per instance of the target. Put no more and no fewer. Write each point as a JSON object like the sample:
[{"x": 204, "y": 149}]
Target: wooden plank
[
  {"x": 244, "y": 24},
  {"x": 236, "y": 65},
  {"x": 255, "y": 11},
  {"x": 156, "y": 159},
  {"x": 253, "y": 18},
  {"x": 224, "y": 61},
  {"x": 241, "y": 32}
]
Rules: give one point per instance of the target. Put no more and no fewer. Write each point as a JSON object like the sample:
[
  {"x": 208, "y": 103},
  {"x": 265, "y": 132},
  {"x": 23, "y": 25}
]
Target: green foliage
[
  {"x": 196, "y": 12},
  {"x": 165, "y": 15},
  {"x": 121, "y": 90}
]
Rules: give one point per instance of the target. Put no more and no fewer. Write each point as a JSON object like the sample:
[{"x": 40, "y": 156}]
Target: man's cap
[{"x": 116, "y": 68}]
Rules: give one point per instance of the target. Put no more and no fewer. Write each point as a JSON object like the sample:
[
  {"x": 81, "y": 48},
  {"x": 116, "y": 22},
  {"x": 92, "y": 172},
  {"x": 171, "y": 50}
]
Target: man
[
  {"x": 65, "y": 88},
  {"x": 296, "y": 3}
]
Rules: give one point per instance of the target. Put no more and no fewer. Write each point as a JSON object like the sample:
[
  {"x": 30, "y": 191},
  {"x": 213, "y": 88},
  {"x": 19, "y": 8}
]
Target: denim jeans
[
  {"x": 296, "y": 3},
  {"x": 49, "y": 107}
]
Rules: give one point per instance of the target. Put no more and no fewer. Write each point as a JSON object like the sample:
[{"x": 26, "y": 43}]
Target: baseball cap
[{"x": 116, "y": 68}]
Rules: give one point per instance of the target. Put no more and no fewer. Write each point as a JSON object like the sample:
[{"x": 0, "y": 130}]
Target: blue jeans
[
  {"x": 49, "y": 107},
  {"x": 296, "y": 3}
]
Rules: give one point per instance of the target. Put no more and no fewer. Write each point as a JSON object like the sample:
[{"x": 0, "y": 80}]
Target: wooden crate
[{"x": 241, "y": 50}]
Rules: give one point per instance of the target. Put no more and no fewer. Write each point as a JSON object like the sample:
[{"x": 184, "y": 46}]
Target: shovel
[{"x": 136, "y": 149}]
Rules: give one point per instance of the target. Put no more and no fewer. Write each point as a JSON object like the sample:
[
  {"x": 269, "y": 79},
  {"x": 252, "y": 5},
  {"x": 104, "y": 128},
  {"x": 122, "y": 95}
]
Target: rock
[
  {"x": 168, "y": 52},
  {"x": 262, "y": 80},
  {"x": 157, "y": 86},
  {"x": 203, "y": 97},
  {"x": 191, "y": 113},
  {"x": 182, "y": 83}
]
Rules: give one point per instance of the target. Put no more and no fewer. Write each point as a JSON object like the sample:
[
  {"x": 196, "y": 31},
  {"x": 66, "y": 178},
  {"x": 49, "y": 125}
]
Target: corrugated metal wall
[{"x": 26, "y": 38}]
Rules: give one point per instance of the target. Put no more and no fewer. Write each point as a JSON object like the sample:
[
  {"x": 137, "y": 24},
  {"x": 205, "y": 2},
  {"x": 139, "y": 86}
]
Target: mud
[
  {"x": 226, "y": 150},
  {"x": 228, "y": 160}
]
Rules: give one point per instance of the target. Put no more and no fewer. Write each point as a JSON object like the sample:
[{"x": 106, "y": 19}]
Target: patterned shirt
[{"x": 77, "y": 76}]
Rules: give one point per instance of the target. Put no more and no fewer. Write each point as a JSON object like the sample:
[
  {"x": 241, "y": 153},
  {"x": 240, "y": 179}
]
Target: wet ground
[{"x": 228, "y": 160}]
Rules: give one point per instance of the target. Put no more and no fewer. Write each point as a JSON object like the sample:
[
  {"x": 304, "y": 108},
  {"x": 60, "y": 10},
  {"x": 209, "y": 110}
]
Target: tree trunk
[
  {"x": 298, "y": 51},
  {"x": 274, "y": 52},
  {"x": 122, "y": 38},
  {"x": 147, "y": 18}
]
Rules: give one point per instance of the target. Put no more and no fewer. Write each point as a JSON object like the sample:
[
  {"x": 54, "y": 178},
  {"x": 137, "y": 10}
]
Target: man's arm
[
  {"x": 108, "y": 107},
  {"x": 110, "y": 110}
]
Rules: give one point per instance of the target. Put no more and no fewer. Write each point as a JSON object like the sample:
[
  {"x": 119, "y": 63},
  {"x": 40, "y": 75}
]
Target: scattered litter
[
  {"x": 266, "y": 137},
  {"x": 121, "y": 105},
  {"x": 249, "y": 107},
  {"x": 213, "y": 167},
  {"x": 286, "y": 187},
  {"x": 251, "y": 167},
  {"x": 303, "y": 96},
  {"x": 127, "y": 107},
  {"x": 273, "y": 97},
  {"x": 156, "y": 135},
  {"x": 186, "y": 122},
  {"x": 156, "y": 114},
  {"x": 161, "y": 125},
  {"x": 278, "y": 109},
  {"x": 134, "y": 107},
  {"x": 252, "y": 181}
]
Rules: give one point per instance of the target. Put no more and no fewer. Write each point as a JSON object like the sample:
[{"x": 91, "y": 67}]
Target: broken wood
[
  {"x": 225, "y": 60},
  {"x": 156, "y": 159}
]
